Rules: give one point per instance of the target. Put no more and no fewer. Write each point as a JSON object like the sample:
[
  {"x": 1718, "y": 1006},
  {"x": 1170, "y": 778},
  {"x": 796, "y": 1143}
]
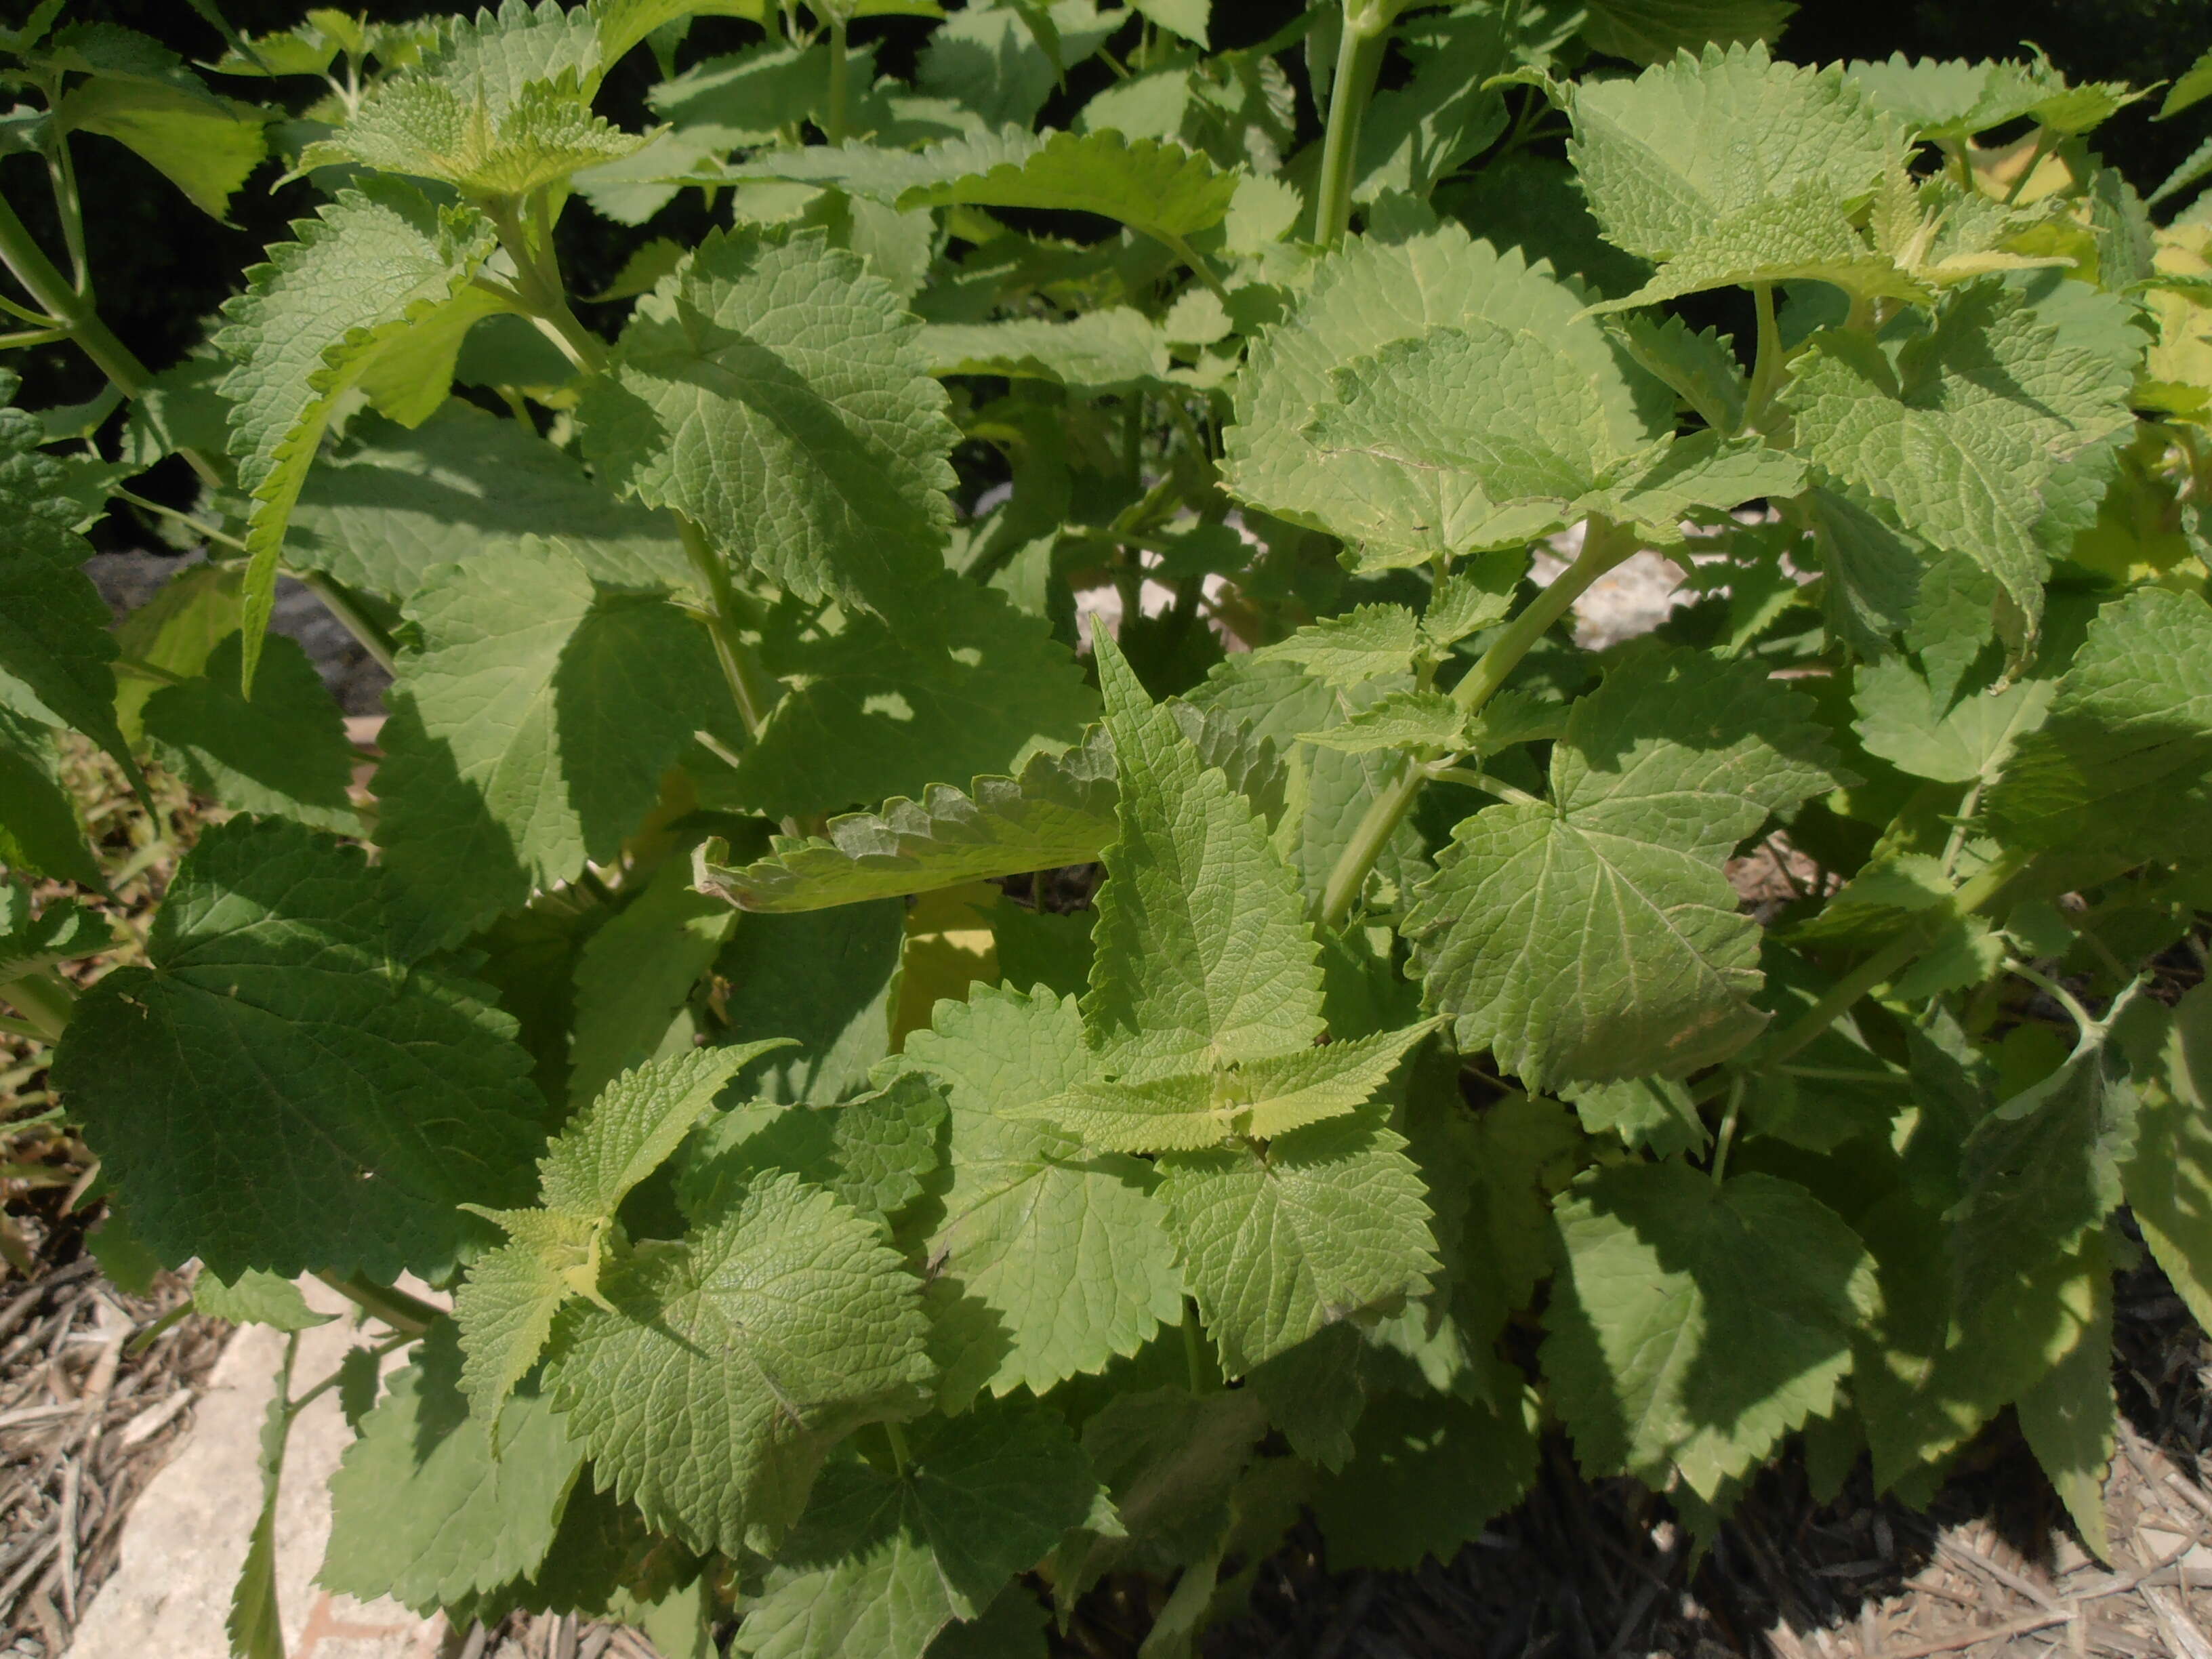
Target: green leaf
[
  {"x": 2121, "y": 765},
  {"x": 1204, "y": 954},
  {"x": 1326, "y": 1224},
  {"x": 635, "y": 1125},
  {"x": 55, "y": 647},
  {"x": 376, "y": 291},
  {"x": 531, "y": 729},
  {"x": 1362, "y": 299},
  {"x": 874, "y": 1151},
  {"x": 1185, "y": 17},
  {"x": 962, "y": 683},
  {"x": 884, "y": 1560},
  {"x": 2042, "y": 1170},
  {"x": 1963, "y": 437},
  {"x": 1314, "y": 1394},
  {"x": 281, "y": 1089},
  {"x": 2167, "y": 1180},
  {"x": 431, "y": 1505},
  {"x": 1059, "y": 812},
  {"x": 1426, "y": 1476},
  {"x": 623, "y": 23},
  {"x": 39, "y": 829},
  {"x": 1728, "y": 160},
  {"x": 283, "y": 751},
  {"x": 1259, "y": 1099},
  {"x": 1499, "y": 437},
  {"x": 1653, "y": 30},
  {"x": 1428, "y": 721},
  {"x": 1700, "y": 368},
  {"x": 507, "y": 1305},
  {"x": 1696, "y": 1322},
  {"x": 1901, "y": 721},
  {"x": 1664, "y": 768},
  {"x": 729, "y": 1364},
  {"x": 253, "y": 1623},
  {"x": 1653, "y": 1114},
  {"x": 829, "y": 979},
  {"x": 1953, "y": 101},
  {"x": 1159, "y": 188},
  {"x": 776, "y": 392},
  {"x": 1113, "y": 349},
  {"x": 1048, "y": 1261},
  {"x": 422, "y": 125},
  {"x": 206, "y": 146},
  {"x": 1003, "y": 62},
  {"x": 60, "y": 931},
  {"x": 1368, "y": 642},
  {"x": 634, "y": 975},
  {"x": 392, "y": 506},
  {"x": 255, "y": 1297},
  {"x": 2070, "y": 1417}
]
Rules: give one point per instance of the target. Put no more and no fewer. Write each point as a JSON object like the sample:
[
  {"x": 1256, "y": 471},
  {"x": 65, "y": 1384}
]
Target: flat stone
[{"x": 187, "y": 1534}]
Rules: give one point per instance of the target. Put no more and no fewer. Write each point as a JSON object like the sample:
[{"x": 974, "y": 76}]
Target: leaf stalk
[
  {"x": 1358, "y": 61},
  {"x": 750, "y": 686}
]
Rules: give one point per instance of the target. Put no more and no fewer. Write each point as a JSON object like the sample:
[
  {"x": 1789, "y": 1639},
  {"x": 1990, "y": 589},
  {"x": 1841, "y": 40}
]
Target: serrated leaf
[
  {"x": 255, "y": 1297},
  {"x": 1900, "y": 720},
  {"x": 829, "y": 979},
  {"x": 1368, "y": 642},
  {"x": 2122, "y": 762},
  {"x": 2070, "y": 1417},
  {"x": 1663, "y": 769},
  {"x": 393, "y": 505},
  {"x": 530, "y": 728},
  {"x": 884, "y": 1561},
  {"x": 1653, "y": 1114},
  {"x": 1159, "y": 188},
  {"x": 635, "y": 1124},
  {"x": 507, "y": 1307},
  {"x": 1113, "y": 349},
  {"x": 873, "y": 1152},
  {"x": 60, "y": 931},
  {"x": 999, "y": 65},
  {"x": 1953, "y": 101},
  {"x": 1670, "y": 158},
  {"x": 1260, "y": 1099},
  {"x": 376, "y": 288},
  {"x": 1414, "y": 136},
  {"x": 282, "y": 752},
  {"x": 431, "y": 1505},
  {"x": 1964, "y": 436},
  {"x": 2043, "y": 1169},
  {"x": 963, "y": 683},
  {"x": 1204, "y": 954},
  {"x": 447, "y": 119},
  {"x": 1499, "y": 438},
  {"x": 55, "y": 647},
  {"x": 2168, "y": 1178},
  {"x": 1697, "y": 1322},
  {"x": 206, "y": 146},
  {"x": 621, "y": 24},
  {"x": 1699, "y": 367},
  {"x": 1315, "y": 1395},
  {"x": 1327, "y": 1222},
  {"x": 775, "y": 391},
  {"x": 1059, "y": 812},
  {"x": 1362, "y": 299},
  {"x": 280, "y": 1029},
  {"x": 1048, "y": 1261},
  {"x": 1427, "y": 721},
  {"x": 732, "y": 1362}
]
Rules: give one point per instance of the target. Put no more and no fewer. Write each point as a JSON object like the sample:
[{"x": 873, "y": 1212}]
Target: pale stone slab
[{"x": 186, "y": 1536}]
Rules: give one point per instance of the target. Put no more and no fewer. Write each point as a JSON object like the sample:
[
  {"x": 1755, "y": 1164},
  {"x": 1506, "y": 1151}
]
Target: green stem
[
  {"x": 840, "y": 73},
  {"x": 1358, "y": 61},
  {"x": 897, "y": 1437},
  {"x": 403, "y": 1313},
  {"x": 367, "y": 632},
  {"x": 750, "y": 686},
  {"x": 45, "y": 284},
  {"x": 199, "y": 527},
  {"x": 1766, "y": 367},
  {"x": 1892, "y": 959},
  {"x": 294, "y": 1407},
  {"x": 2043, "y": 136},
  {"x": 1604, "y": 546},
  {"x": 44, "y": 1000},
  {"x": 2084, "y": 1024},
  {"x": 1726, "y": 1137},
  {"x": 540, "y": 290},
  {"x": 1484, "y": 781},
  {"x": 1191, "y": 256},
  {"x": 70, "y": 208}
]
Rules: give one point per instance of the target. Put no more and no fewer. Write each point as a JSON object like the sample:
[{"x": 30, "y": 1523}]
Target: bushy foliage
[{"x": 843, "y": 1232}]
